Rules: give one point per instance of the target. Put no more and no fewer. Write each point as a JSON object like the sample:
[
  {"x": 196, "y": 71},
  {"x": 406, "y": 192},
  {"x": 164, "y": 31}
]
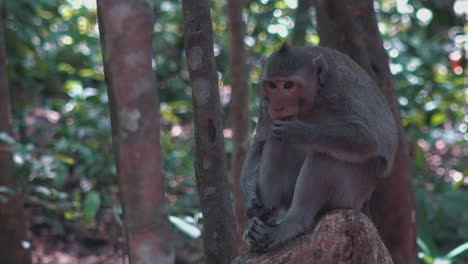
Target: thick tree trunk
[
  {"x": 210, "y": 161},
  {"x": 343, "y": 236},
  {"x": 301, "y": 22},
  {"x": 12, "y": 225},
  {"x": 126, "y": 28},
  {"x": 350, "y": 26},
  {"x": 239, "y": 111}
]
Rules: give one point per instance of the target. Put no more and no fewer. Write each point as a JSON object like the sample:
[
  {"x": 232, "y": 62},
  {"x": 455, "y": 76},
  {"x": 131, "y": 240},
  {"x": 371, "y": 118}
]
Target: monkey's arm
[
  {"x": 249, "y": 179},
  {"x": 350, "y": 141},
  {"x": 251, "y": 166}
]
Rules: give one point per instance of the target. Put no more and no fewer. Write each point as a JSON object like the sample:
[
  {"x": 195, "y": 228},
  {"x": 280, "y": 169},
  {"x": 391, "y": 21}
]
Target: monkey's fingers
[
  {"x": 260, "y": 242},
  {"x": 257, "y": 224},
  {"x": 256, "y": 228},
  {"x": 252, "y": 236},
  {"x": 256, "y": 237},
  {"x": 249, "y": 236}
]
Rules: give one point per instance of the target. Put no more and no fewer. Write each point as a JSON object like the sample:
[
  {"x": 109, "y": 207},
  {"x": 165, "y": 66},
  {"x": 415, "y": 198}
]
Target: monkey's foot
[{"x": 259, "y": 235}]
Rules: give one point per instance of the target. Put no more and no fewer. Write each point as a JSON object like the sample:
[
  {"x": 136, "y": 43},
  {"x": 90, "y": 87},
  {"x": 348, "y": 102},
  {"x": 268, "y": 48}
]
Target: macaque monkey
[{"x": 325, "y": 137}]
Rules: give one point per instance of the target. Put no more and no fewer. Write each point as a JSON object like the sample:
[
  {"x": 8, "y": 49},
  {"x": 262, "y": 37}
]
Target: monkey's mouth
[
  {"x": 284, "y": 114},
  {"x": 282, "y": 117},
  {"x": 287, "y": 118}
]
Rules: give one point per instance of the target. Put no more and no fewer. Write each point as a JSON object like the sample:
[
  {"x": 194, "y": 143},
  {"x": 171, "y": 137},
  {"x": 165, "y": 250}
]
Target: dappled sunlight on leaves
[{"x": 62, "y": 133}]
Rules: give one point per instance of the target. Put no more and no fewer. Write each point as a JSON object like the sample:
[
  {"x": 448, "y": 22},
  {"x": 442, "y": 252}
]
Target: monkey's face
[
  {"x": 283, "y": 95},
  {"x": 291, "y": 79}
]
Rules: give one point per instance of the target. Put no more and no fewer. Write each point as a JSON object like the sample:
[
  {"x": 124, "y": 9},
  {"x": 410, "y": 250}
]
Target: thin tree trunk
[
  {"x": 12, "y": 225},
  {"x": 239, "y": 111},
  {"x": 301, "y": 22},
  {"x": 351, "y": 27},
  {"x": 126, "y": 28},
  {"x": 210, "y": 161}
]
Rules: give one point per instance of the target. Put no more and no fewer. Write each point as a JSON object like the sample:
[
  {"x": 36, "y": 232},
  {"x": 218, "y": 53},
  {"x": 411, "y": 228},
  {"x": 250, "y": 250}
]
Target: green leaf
[
  {"x": 6, "y": 138},
  {"x": 91, "y": 205},
  {"x": 437, "y": 119},
  {"x": 43, "y": 191},
  {"x": 186, "y": 227},
  {"x": 420, "y": 161},
  {"x": 457, "y": 251},
  {"x": 65, "y": 159},
  {"x": 423, "y": 247},
  {"x": 425, "y": 258},
  {"x": 6, "y": 190},
  {"x": 5, "y": 194}
]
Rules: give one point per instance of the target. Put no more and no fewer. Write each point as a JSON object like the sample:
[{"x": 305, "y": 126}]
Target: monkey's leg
[
  {"x": 324, "y": 183},
  {"x": 279, "y": 168},
  {"x": 309, "y": 196}
]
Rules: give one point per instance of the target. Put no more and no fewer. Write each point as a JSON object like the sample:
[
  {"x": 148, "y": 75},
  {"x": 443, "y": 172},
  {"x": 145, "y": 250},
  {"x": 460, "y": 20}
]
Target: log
[{"x": 342, "y": 236}]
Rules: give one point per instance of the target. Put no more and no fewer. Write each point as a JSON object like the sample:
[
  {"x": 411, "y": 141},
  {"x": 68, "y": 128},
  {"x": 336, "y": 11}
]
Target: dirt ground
[{"x": 70, "y": 243}]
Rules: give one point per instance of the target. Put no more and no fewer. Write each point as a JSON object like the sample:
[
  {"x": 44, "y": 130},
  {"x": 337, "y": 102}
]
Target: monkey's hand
[
  {"x": 257, "y": 209},
  {"x": 258, "y": 234},
  {"x": 293, "y": 131}
]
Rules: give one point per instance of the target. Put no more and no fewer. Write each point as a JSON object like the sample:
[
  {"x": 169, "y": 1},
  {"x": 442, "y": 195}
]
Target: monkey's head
[{"x": 290, "y": 81}]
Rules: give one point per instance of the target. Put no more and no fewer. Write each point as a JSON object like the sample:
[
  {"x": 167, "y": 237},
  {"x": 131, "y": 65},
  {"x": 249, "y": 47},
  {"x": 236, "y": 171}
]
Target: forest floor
[{"x": 67, "y": 243}]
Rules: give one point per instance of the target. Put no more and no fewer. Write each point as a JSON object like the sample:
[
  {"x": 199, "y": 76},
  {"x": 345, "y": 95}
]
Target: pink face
[{"x": 283, "y": 95}]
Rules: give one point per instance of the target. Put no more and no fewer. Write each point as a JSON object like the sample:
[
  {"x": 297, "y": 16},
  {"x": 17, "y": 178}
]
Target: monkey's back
[{"x": 357, "y": 96}]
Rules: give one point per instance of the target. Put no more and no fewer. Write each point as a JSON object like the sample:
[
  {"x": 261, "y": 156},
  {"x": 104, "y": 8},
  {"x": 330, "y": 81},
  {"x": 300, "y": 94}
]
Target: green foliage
[
  {"x": 5, "y": 194},
  {"x": 91, "y": 205},
  {"x": 62, "y": 144},
  {"x": 426, "y": 254}
]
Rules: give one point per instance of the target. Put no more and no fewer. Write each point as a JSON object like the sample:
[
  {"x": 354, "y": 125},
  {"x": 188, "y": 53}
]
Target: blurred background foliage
[{"x": 63, "y": 152}]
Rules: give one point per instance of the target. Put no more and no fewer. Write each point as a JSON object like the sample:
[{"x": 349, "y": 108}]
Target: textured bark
[
  {"x": 126, "y": 28},
  {"x": 210, "y": 161},
  {"x": 351, "y": 27},
  {"x": 343, "y": 236},
  {"x": 301, "y": 22},
  {"x": 239, "y": 111},
  {"x": 12, "y": 225}
]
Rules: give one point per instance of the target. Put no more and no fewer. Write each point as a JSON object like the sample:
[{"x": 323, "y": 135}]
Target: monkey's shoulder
[{"x": 338, "y": 62}]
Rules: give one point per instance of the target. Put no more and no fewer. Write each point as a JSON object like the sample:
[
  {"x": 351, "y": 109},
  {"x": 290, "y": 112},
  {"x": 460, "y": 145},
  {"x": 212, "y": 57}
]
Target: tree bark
[
  {"x": 126, "y": 28},
  {"x": 239, "y": 111},
  {"x": 351, "y": 27},
  {"x": 301, "y": 22},
  {"x": 12, "y": 225},
  {"x": 210, "y": 161},
  {"x": 343, "y": 236}
]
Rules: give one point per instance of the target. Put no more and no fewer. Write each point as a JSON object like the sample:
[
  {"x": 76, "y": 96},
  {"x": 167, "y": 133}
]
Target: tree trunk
[
  {"x": 239, "y": 111},
  {"x": 351, "y": 27},
  {"x": 343, "y": 236},
  {"x": 12, "y": 225},
  {"x": 301, "y": 22},
  {"x": 210, "y": 161},
  {"x": 126, "y": 28}
]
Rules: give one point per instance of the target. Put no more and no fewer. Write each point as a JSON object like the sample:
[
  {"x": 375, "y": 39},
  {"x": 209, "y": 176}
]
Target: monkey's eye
[
  {"x": 271, "y": 85},
  {"x": 288, "y": 85}
]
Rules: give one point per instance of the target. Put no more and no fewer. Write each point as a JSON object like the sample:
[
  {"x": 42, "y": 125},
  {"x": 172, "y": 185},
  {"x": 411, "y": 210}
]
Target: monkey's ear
[
  {"x": 322, "y": 69},
  {"x": 284, "y": 48}
]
